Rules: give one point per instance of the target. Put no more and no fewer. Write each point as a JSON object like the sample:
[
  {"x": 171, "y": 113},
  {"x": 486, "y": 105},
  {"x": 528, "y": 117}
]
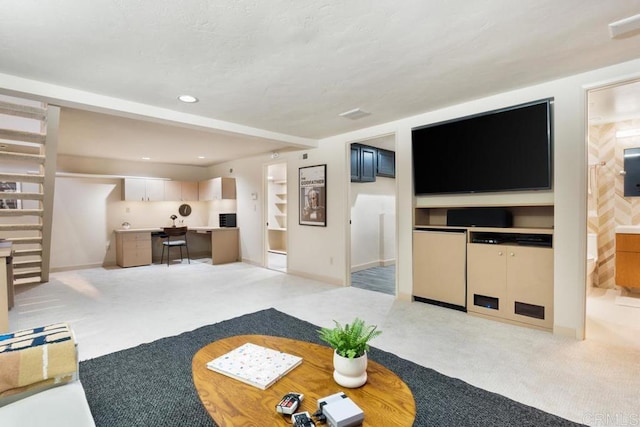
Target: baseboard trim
[
  {"x": 372, "y": 264},
  {"x": 79, "y": 267},
  {"x": 329, "y": 280}
]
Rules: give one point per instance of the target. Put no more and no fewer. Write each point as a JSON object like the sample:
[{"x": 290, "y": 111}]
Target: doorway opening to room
[
  {"x": 612, "y": 312},
  {"x": 372, "y": 197},
  {"x": 276, "y": 230}
]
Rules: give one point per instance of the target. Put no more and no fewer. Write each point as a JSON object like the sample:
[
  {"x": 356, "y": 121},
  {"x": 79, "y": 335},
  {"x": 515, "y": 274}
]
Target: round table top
[{"x": 385, "y": 399}]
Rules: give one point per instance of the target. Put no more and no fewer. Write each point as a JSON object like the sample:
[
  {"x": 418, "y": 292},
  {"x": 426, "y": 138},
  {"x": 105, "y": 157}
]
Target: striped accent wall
[{"x": 607, "y": 206}]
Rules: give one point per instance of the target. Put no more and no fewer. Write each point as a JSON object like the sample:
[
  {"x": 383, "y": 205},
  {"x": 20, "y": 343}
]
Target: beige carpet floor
[{"x": 592, "y": 382}]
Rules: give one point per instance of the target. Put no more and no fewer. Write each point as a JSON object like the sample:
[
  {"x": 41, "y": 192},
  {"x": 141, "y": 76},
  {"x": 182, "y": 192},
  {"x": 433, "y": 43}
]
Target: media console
[{"x": 501, "y": 273}]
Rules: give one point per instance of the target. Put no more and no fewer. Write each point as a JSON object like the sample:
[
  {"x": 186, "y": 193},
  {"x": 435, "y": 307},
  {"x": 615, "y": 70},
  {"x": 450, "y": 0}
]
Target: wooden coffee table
[{"x": 385, "y": 399}]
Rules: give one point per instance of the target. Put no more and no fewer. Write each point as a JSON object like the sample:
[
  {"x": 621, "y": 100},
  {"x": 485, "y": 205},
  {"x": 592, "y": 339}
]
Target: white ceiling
[{"x": 285, "y": 67}]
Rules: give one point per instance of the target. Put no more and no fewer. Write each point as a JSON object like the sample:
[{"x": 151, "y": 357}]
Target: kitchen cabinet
[
  {"x": 364, "y": 160},
  {"x": 181, "y": 191},
  {"x": 133, "y": 249},
  {"x": 143, "y": 190},
  {"x": 217, "y": 189},
  {"x": 386, "y": 163}
]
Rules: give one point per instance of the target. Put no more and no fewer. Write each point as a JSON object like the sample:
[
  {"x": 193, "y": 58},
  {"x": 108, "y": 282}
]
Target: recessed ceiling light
[
  {"x": 201, "y": 157},
  {"x": 146, "y": 158},
  {"x": 188, "y": 99}
]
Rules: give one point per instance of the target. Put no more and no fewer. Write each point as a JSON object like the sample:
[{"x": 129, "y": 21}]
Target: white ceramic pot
[{"x": 350, "y": 373}]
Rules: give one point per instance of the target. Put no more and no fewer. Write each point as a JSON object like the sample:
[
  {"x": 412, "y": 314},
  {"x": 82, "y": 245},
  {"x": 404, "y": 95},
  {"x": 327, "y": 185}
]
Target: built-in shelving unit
[
  {"x": 502, "y": 273},
  {"x": 277, "y": 228}
]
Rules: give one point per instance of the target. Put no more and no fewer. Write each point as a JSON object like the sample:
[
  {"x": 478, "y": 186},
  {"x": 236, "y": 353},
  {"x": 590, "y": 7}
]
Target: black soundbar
[{"x": 480, "y": 217}]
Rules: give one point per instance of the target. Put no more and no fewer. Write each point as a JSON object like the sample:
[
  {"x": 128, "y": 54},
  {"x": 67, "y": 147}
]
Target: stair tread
[
  {"x": 20, "y": 135},
  {"x": 6, "y": 155},
  {"x": 26, "y": 111},
  {"x": 20, "y": 195}
]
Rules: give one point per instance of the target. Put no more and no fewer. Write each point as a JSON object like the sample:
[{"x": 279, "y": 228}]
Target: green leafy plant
[{"x": 350, "y": 340}]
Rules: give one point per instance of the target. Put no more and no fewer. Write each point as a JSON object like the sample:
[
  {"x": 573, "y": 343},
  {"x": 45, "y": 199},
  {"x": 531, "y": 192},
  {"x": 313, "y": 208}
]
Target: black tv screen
[{"x": 502, "y": 150}]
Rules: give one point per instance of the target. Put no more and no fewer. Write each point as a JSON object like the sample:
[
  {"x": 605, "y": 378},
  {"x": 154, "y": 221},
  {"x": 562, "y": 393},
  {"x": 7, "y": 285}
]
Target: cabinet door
[
  {"x": 189, "y": 191},
  {"x": 439, "y": 260},
  {"x": 530, "y": 285},
  {"x": 205, "y": 190},
  {"x": 486, "y": 277},
  {"x": 223, "y": 188},
  {"x": 355, "y": 163},
  {"x": 386, "y": 163},
  {"x": 134, "y": 190},
  {"x": 368, "y": 164},
  {"x": 172, "y": 191},
  {"x": 155, "y": 190}
]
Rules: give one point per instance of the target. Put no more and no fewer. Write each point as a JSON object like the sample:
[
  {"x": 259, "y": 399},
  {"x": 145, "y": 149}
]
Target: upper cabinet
[
  {"x": 143, "y": 190},
  {"x": 158, "y": 190},
  {"x": 386, "y": 163},
  {"x": 368, "y": 162},
  {"x": 217, "y": 189},
  {"x": 184, "y": 191},
  {"x": 363, "y": 163}
]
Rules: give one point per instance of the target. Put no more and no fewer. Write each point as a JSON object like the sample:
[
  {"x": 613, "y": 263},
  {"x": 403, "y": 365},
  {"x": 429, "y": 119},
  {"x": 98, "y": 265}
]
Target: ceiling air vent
[{"x": 354, "y": 114}]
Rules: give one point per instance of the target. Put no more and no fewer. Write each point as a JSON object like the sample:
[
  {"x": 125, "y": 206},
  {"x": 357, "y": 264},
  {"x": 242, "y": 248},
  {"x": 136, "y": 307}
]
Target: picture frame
[
  {"x": 10, "y": 187},
  {"x": 312, "y": 182}
]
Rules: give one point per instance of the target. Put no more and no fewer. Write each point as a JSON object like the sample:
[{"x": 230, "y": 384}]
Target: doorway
[
  {"x": 372, "y": 197},
  {"x": 276, "y": 237},
  {"x": 612, "y": 311}
]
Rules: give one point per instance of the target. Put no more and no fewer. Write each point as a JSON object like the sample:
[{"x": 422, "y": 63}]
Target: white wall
[
  {"x": 316, "y": 252},
  {"x": 322, "y": 251},
  {"x": 373, "y": 219}
]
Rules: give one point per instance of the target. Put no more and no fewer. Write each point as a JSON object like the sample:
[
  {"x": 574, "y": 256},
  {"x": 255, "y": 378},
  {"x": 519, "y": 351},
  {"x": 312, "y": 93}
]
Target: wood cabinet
[
  {"x": 386, "y": 163},
  {"x": 184, "y": 191},
  {"x": 143, "y": 190},
  {"x": 511, "y": 282},
  {"x": 217, "y": 189},
  {"x": 364, "y": 160},
  {"x": 628, "y": 260},
  {"x": 225, "y": 245},
  {"x": 439, "y": 264},
  {"x": 133, "y": 249}
]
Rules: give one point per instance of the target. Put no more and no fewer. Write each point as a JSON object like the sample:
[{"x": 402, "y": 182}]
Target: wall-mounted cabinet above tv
[{"x": 503, "y": 150}]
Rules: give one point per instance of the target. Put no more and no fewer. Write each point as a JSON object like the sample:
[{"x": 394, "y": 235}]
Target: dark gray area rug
[{"x": 151, "y": 384}]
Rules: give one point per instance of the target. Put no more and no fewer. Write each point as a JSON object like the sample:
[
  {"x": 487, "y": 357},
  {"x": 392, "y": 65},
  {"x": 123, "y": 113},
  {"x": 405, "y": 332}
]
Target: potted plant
[{"x": 350, "y": 343}]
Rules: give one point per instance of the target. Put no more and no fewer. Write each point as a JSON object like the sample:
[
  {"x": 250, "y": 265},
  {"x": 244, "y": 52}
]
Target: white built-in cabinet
[
  {"x": 217, "y": 189},
  {"x": 185, "y": 191},
  {"x": 143, "y": 190}
]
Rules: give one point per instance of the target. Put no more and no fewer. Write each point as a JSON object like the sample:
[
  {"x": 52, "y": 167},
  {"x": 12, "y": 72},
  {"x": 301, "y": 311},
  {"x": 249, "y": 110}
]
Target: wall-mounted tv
[{"x": 502, "y": 150}]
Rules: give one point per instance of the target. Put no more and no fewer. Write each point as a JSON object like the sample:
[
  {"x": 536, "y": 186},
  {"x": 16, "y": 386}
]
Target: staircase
[{"x": 28, "y": 143}]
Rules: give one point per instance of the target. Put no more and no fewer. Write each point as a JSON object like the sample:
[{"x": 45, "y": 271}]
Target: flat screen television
[{"x": 497, "y": 151}]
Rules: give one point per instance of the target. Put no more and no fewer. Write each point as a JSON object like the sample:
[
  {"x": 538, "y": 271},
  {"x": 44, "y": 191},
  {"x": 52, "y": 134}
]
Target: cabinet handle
[
  {"x": 500, "y": 253},
  {"x": 512, "y": 254}
]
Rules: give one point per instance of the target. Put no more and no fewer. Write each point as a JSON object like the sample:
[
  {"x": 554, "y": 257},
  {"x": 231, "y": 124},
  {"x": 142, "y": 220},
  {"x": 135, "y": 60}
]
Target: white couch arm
[{"x": 63, "y": 406}]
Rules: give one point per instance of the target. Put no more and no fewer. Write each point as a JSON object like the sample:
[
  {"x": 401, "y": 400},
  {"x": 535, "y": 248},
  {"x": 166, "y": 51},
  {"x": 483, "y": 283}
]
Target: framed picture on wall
[
  {"x": 313, "y": 195},
  {"x": 9, "y": 187}
]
